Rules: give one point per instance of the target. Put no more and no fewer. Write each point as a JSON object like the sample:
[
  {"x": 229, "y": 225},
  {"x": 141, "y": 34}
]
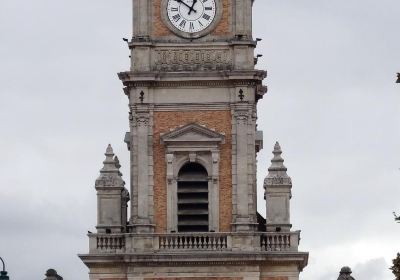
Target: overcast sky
[{"x": 332, "y": 104}]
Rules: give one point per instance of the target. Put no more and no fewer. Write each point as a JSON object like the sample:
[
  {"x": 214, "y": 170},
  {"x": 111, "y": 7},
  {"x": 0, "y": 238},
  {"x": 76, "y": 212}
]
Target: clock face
[{"x": 191, "y": 16}]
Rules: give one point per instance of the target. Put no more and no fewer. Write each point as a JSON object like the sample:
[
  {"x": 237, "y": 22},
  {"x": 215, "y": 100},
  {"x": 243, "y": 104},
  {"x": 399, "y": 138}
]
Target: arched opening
[{"x": 193, "y": 198}]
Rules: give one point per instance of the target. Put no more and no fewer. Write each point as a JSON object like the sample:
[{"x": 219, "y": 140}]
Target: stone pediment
[{"x": 192, "y": 133}]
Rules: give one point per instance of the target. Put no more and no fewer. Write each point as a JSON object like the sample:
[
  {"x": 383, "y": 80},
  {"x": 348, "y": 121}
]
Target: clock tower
[{"x": 193, "y": 140}]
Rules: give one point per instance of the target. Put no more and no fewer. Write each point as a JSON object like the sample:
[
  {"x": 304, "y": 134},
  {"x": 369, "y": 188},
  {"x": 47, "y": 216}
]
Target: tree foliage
[{"x": 396, "y": 267}]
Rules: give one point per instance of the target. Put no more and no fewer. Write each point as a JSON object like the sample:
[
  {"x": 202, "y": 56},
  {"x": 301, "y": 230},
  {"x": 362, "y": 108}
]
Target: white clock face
[{"x": 191, "y": 16}]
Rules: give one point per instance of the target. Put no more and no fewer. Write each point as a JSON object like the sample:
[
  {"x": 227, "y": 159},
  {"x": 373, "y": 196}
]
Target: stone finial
[
  {"x": 345, "y": 274},
  {"x": 109, "y": 162},
  {"x": 110, "y": 176},
  {"x": 277, "y": 175},
  {"x": 277, "y": 161},
  {"x": 51, "y": 274}
]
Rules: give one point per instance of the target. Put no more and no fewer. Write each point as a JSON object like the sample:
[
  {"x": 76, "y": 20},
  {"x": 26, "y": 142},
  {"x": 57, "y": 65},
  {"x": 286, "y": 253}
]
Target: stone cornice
[
  {"x": 201, "y": 78},
  {"x": 173, "y": 42},
  {"x": 199, "y": 258}
]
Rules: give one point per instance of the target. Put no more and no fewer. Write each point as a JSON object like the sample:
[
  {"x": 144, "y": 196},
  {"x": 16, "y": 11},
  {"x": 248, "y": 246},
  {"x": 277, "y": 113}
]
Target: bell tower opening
[{"x": 193, "y": 198}]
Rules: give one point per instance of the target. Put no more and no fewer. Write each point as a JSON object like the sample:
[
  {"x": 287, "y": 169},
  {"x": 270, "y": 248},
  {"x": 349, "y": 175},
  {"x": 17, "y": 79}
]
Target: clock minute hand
[{"x": 180, "y": 1}]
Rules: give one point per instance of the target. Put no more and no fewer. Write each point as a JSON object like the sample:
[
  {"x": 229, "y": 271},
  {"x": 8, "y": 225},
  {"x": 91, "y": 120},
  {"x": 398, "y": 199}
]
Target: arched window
[{"x": 193, "y": 198}]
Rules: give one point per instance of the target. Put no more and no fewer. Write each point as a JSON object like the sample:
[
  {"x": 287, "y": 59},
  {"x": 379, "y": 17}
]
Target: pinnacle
[
  {"x": 277, "y": 148},
  {"x": 109, "y": 150},
  {"x": 109, "y": 162},
  {"x": 277, "y": 161}
]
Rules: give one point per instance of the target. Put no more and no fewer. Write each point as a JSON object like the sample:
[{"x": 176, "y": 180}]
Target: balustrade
[
  {"x": 213, "y": 242},
  {"x": 270, "y": 242},
  {"x": 110, "y": 242},
  {"x": 276, "y": 241}
]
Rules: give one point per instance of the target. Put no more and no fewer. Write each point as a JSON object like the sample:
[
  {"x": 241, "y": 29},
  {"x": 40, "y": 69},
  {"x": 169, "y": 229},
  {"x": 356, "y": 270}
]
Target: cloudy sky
[{"x": 332, "y": 104}]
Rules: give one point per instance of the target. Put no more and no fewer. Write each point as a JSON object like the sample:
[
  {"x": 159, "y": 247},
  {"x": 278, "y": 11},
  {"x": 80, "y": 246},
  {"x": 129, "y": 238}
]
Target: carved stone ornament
[
  {"x": 242, "y": 117},
  {"x": 140, "y": 120},
  {"x": 276, "y": 180},
  {"x": 192, "y": 60},
  {"x": 108, "y": 180}
]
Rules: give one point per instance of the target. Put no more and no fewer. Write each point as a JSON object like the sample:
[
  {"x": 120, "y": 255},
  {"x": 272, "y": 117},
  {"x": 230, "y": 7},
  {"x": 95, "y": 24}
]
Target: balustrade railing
[
  {"x": 127, "y": 242},
  {"x": 207, "y": 241},
  {"x": 109, "y": 242},
  {"x": 276, "y": 241}
]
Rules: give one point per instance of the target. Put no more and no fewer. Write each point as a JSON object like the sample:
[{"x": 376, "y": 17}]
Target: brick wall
[
  {"x": 224, "y": 26},
  {"x": 218, "y": 120}
]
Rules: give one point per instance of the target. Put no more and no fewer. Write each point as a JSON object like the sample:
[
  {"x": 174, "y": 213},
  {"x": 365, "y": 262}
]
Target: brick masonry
[
  {"x": 160, "y": 29},
  {"x": 218, "y": 120}
]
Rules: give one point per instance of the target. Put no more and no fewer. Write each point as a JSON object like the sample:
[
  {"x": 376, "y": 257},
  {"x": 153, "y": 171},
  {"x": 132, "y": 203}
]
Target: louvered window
[{"x": 193, "y": 198}]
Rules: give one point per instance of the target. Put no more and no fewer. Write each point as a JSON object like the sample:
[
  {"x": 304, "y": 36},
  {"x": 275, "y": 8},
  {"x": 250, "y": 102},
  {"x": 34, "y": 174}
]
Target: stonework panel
[
  {"x": 218, "y": 120},
  {"x": 161, "y": 30}
]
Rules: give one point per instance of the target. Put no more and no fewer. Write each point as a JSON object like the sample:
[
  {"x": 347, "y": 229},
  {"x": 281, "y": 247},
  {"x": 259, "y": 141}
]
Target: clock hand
[
  {"x": 181, "y": 1},
  {"x": 191, "y": 8}
]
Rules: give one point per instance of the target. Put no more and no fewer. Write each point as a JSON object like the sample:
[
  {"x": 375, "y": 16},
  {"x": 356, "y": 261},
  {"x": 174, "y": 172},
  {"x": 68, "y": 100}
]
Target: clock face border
[{"x": 195, "y": 35}]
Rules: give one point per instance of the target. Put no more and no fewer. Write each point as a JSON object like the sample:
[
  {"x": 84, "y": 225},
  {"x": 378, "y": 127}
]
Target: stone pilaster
[
  {"x": 243, "y": 167},
  {"x": 142, "y": 168}
]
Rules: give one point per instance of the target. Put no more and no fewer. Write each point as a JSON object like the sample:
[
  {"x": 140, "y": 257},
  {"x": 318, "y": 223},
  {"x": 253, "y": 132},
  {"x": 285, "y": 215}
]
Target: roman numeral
[
  {"x": 174, "y": 9},
  {"x": 200, "y": 23},
  {"x": 206, "y": 17},
  {"x": 183, "y": 23},
  {"x": 177, "y": 17},
  {"x": 204, "y": 1},
  {"x": 208, "y": 8},
  {"x": 191, "y": 27}
]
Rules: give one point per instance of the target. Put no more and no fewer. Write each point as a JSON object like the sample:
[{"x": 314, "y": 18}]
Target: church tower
[{"x": 193, "y": 91}]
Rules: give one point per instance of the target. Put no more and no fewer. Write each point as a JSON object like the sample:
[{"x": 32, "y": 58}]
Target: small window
[{"x": 193, "y": 198}]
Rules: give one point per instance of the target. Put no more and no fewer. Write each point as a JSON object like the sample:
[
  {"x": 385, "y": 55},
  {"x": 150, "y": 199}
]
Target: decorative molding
[
  {"x": 192, "y": 59},
  {"x": 193, "y": 133}
]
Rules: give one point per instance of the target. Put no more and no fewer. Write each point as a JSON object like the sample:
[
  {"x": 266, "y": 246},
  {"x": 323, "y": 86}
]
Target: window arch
[{"x": 192, "y": 193}]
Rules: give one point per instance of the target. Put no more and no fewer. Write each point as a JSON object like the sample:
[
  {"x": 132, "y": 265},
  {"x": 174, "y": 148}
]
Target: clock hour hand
[{"x": 190, "y": 8}]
